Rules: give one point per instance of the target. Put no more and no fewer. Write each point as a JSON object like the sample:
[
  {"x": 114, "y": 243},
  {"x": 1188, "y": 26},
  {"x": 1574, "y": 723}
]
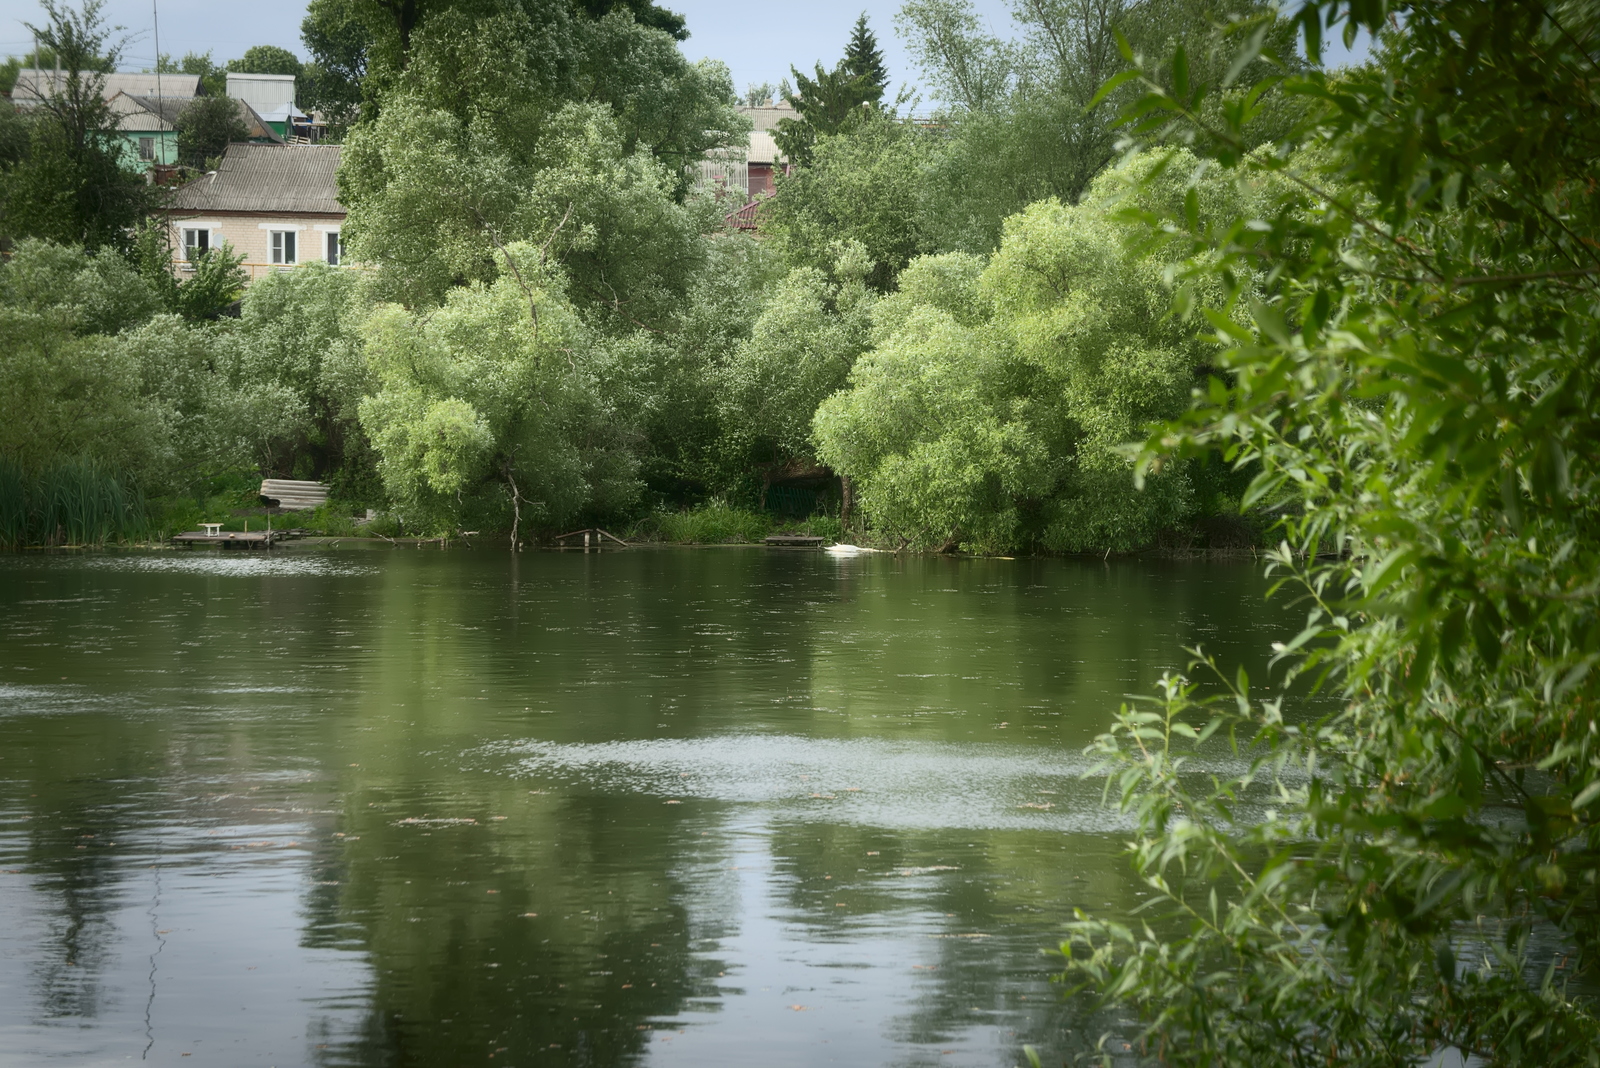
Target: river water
[{"x": 664, "y": 808}]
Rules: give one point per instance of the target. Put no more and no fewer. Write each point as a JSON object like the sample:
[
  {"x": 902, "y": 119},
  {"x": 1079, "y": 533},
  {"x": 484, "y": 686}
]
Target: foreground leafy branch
[{"x": 1412, "y": 372}]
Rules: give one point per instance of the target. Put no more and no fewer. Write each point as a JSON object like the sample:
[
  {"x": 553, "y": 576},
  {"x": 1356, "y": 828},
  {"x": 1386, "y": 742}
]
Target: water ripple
[
  {"x": 234, "y": 564},
  {"x": 864, "y": 781}
]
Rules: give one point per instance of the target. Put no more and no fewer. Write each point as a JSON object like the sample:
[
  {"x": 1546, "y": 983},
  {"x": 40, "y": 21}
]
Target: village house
[
  {"x": 146, "y": 107},
  {"x": 271, "y": 98},
  {"x": 763, "y": 161},
  {"x": 748, "y": 175},
  {"x": 277, "y": 205},
  {"x": 148, "y": 125}
]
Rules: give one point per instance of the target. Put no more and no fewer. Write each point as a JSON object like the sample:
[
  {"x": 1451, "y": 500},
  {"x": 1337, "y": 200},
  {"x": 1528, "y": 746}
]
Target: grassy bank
[{"x": 718, "y": 523}]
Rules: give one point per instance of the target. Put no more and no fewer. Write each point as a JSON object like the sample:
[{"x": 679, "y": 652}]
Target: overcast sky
[{"x": 757, "y": 44}]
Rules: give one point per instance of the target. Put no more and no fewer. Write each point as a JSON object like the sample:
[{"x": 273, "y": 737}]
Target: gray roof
[
  {"x": 768, "y": 118},
  {"x": 36, "y": 85},
  {"x": 146, "y": 112},
  {"x": 276, "y": 178},
  {"x": 141, "y": 114}
]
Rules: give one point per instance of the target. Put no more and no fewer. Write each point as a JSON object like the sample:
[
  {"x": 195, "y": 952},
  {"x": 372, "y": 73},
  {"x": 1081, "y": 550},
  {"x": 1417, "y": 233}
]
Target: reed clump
[{"x": 72, "y": 504}]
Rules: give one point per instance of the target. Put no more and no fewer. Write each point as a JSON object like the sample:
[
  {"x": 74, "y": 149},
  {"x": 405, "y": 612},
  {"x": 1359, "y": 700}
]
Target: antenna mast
[{"x": 155, "y": 22}]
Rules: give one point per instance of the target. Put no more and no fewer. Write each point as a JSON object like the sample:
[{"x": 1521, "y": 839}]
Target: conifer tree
[{"x": 864, "y": 59}]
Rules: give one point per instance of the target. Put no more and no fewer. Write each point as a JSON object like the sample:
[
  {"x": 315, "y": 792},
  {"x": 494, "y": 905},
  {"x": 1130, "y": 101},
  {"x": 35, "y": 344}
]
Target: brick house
[{"x": 278, "y": 205}]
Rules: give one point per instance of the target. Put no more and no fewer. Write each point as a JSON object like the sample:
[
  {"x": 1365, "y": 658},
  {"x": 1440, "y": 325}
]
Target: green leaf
[
  {"x": 1112, "y": 84},
  {"x": 1586, "y": 795},
  {"x": 1486, "y": 628},
  {"x": 1180, "y": 73},
  {"x": 1270, "y": 319},
  {"x": 1469, "y": 775}
]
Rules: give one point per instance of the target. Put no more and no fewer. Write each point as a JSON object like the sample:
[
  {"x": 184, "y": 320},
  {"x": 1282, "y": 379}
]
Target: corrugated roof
[
  {"x": 279, "y": 178},
  {"x": 763, "y": 148},
  {"x": 35, "y": 85},
  {"x": 768, "y": 118},
  {"x": 140, "y": 113}
]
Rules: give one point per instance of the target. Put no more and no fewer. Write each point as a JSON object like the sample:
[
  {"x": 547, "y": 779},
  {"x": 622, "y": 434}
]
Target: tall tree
[
  {"x": 69, "y": 184},
  {"x": 1415, "y": 870},
  {"x": 1022, "y": 117},
  {"x": 835, "y": 98},
  {"x": 864, "y": 59},
  {"x": 213, "y": 77},
  {"x": 206, "y": 127},
  {"x": 337, "y": 39},
  {"x": 267, "y": 59}
]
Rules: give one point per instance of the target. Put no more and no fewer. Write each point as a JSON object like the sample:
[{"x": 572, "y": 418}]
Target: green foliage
[
  {"x": 669, "y": 384},
  {"x": 267, "y": 59},
  {"x": 74, "y": 504},
  {"x": 715, "y": 523},
  {"x": 490, "y": 405},
  {"x": 62, "y": 177},
  {"x": 831, "y": 102},
  {"x": 337, "y": 39},
  {"x": 800, "y": 351},
  {"x": 863, "y": 184},
  {"x": 299, "y": 337},
  {"x": 98, "y": 376},
  {"x": 476, "y": 148},
  {"x": 12, "y": 66},
  {"x": 218, "y": 280},
  {"x": 215, "y": 281},
  {"x": 206, "y": 127},
  {"x": 1417, "y": 379},
  {"x": 835, "y": 100},
  {"x": 213, "y": 77},
  {"x": 997, "y": 404},
  {"x": 1023, "y": 120},
  {"x": 82, "y": 292},
  {"x": 864, "y": 59}
]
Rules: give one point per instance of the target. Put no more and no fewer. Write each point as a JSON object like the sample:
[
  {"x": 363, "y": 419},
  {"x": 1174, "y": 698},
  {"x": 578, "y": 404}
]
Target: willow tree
[
  {"x": 997, "y": 405},
  {"x": 488, "y": 410},
  {"x": 1418, "y": 382}
]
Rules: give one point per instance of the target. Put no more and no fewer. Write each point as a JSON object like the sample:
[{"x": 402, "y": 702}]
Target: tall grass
[
  {"x": 73, "y": 504},
  {"x": 715, "y": 523},
  {"x": 719, "y": 523}
]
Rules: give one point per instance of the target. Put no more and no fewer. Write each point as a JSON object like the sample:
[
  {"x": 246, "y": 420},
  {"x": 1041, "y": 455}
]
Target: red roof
[{"x": 743, "y": 218}]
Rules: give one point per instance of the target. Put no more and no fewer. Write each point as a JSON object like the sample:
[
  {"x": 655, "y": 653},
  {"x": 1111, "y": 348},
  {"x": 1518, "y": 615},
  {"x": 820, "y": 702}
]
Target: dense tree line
[{"x": 552, "y": 323}]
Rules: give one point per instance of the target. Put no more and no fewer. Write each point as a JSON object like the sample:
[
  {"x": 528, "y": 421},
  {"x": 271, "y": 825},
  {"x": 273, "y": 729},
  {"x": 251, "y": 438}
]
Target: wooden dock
[
  {"x": 794, "y": 541},
  {"x": 589, "y": 535},
  {"x": 254, "y": 539}
]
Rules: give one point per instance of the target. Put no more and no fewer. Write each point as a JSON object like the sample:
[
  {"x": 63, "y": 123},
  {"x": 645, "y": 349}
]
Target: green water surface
[{"x": 430, "y": 807}]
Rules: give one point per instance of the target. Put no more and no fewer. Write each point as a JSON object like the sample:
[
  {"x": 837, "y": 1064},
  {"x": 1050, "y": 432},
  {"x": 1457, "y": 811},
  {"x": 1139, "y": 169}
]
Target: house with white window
[{"x": 278, "y": 205}]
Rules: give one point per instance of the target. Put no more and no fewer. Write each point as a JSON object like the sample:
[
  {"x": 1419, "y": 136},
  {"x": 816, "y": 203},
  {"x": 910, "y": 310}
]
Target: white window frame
[
  {"x": 332, "y": 248},
  {"x": 147, "y": 148},
  {"x": 283, "y": 247},
  {"x": 196, "y": 240}
]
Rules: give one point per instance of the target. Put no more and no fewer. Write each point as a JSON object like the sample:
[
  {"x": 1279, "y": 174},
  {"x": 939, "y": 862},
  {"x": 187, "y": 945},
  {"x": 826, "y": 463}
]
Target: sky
[{"x": 757, "y": 44}]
